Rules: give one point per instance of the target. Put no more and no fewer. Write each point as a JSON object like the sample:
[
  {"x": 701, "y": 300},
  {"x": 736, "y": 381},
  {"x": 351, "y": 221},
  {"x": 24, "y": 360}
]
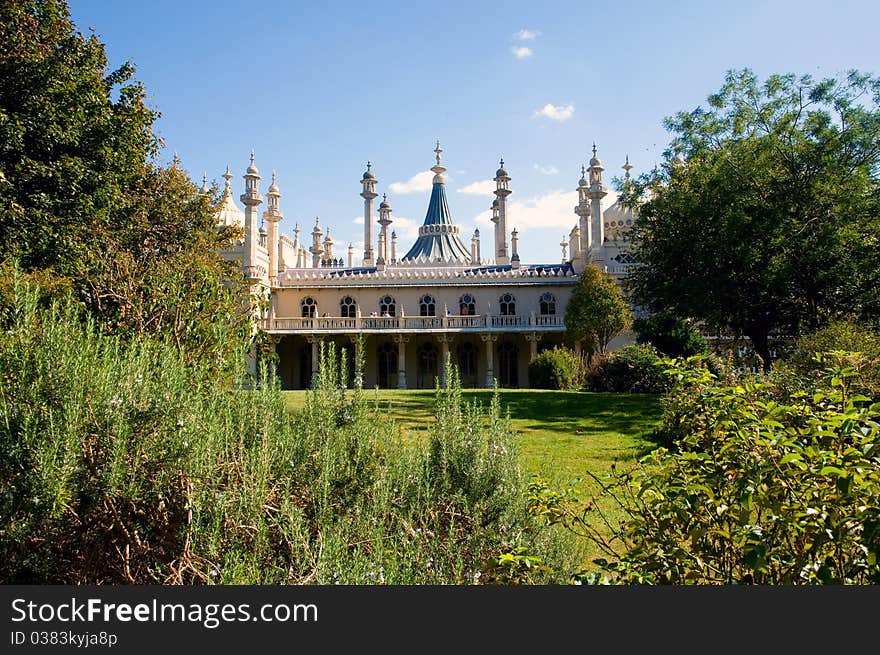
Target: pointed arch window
[
  {"x": 427, "y": 306},
  {"x": 309, "y": 308},
  {"x": 548, "y": 304},
  {"x": 467, "y": 305},
  {"x": 507, "y": 304},
  {"x": 347, "y": 307},
  {"x": 387, "y": 306}
]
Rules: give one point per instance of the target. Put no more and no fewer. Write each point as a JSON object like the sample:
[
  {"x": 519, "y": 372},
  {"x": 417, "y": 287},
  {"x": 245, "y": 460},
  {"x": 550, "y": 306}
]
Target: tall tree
[
  {"x": 82, "y": 198},
  {"x": 766, "y": 224},
  {"x": 597, "y": 311}
]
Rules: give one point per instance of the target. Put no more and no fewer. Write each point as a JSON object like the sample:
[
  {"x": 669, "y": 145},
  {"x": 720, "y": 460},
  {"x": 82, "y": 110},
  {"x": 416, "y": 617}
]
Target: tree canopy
[
  {"x": 83, "y": 200},
  {"x": 598, "y": 310},
  {"x": 764, "y": 218}
]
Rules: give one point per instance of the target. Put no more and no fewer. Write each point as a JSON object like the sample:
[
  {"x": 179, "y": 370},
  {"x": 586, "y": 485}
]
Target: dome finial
[
  {"x": 369, "y": 165},
  {"x": 594, "y": 148},
  {"x": 438, "y": 150}
]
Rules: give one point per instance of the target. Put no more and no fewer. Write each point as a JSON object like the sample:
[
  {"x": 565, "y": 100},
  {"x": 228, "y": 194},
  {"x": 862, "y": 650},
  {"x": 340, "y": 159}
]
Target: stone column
[
  {"x": 533, "y": 338},
  {"x": 489, "y": 339},
  {"x": 401, "y": 341},
  {"x": 445, "y": 340},
  {"x": 315, "y": 341}
]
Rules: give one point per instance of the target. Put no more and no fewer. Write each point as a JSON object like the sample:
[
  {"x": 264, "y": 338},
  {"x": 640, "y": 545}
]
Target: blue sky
[{"x": 317, "y": 89}]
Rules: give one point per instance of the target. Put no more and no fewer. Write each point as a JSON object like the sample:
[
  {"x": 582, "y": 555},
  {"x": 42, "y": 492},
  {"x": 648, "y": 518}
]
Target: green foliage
[
  {"x": 797, "y": 371},
  {"x": 635, "y": 368},
  {"x": 557, "y": 368},
  {"x": 124, "y": 464},
  {"x": 669, "y": 334},
  {"x": 597, "y": 311},
  {"x": 83, "y": 203},
  {"x": 770, "y": 223},
  {"x": 759, "y": 492}
]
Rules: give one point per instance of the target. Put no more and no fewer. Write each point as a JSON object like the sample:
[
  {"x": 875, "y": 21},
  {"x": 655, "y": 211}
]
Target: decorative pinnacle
[
  {"x": 296, "y": 228},
  {"x": 594, "y": 149},
  {"x": 252, "y": 156},
  {"x": 438, "y": 150},
  {"x": 227, "y": 175},
  {"x": 583, "y": 170},
  {"x": 627, "y": 166},
  {"x": 369, "y": 165},
  {"x": 205, "y": 178},
  {"x": 501, "y": 163},
  {"x": 273, "y": 177},
  {"x": 383, "y": 198}
]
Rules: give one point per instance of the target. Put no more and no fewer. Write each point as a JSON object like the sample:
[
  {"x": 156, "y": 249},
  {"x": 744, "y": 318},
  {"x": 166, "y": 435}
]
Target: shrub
[
  {"x": 635, "y": 368},
  {"x": 759, "y": 492},
  {"x": 670, "y": 335},
  {"x": 802, "y": 366},
  {"x": 558, "y": 368},
  {"x": 123, "y": 464}
]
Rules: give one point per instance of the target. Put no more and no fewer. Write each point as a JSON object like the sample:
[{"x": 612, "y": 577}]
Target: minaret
[
  {"x": 393, "y": 247},
  {"x": 328, "y": 246},
  {"x": 514, "y": 254},
  {"x": 351, "y": 255},
  {"x": 475, "y": 247},
  {"x": 368, "y": 194},
  {"x": 574, "y": 246},
  {"x": 581, "y": 254},
  {"x": 297, "y": 257},
  {"x": 597, "y": 226},
  {"x": 317, "y": 249},
  {"x": 564, "y": 245},
  {"x": 251, "y": 199},
  {"x": 204, "y": 191},
  {"x": 502, "y": 190},
  {"x": 271, "y": 217},
  {"x": 384, "y": 221}
]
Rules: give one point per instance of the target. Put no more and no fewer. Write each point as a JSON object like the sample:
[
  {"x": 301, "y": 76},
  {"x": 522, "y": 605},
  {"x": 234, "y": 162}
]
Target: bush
[
  {"x": 797, "y": 371},
  {"x": 759, "y": 492},
  {"x": 122, "y": 464},
  {"x": 558, "y": 368},
  {"x": 670, "y": 335},
  {"x": 635, "y": 368}
]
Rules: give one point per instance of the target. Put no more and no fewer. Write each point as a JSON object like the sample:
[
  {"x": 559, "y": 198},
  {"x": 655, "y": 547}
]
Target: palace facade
[{"x": 490, "y": 315}]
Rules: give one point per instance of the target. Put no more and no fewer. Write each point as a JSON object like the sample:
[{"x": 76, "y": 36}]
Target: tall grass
[{"x": 122, "y": 464}]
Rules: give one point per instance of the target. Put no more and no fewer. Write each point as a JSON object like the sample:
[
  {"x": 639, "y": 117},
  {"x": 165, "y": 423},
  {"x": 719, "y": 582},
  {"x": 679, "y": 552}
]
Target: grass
[{"x": 562, "y": 434}]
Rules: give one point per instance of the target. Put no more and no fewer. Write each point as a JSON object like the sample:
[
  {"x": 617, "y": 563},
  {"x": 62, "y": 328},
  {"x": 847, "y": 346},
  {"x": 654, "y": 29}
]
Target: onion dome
[
  {"x": 252, "y": 169},
  {"x": 273, "y": 188},
  {"x": 368, "y": 174},
  {"x": 595, "y": 161},
  {"x": 384, "y": 204},
  {"x": 501, "y": 172}
]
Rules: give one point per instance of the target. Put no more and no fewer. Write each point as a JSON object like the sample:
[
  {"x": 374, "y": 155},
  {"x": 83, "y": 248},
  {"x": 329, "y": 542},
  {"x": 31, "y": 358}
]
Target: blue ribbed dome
[{"x": 440, "y": 243}]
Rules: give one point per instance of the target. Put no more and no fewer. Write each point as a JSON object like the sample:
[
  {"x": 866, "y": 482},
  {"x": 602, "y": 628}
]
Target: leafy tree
[
  {"x": 770, "y": 221},
  {"x": 597, "y": 311},
  {"x": 82, "y": 200},
  {"x": 670, "y": 334}
]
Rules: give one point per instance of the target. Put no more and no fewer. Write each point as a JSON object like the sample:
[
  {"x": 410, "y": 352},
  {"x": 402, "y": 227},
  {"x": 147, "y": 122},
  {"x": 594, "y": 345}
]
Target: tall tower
[
  {"x": 580, "y": 249},
  {"x": 502, "y": 190},
  {"x": 514, "y": 240},
  {"x": 384, "y": 222},
  {"x": 597, "y": 226},
  {"x": 317, "y": 248},
  {"x": 251, "y": 199},
  {"x": 368, "y": 194},
  {"x": 271, "y": 217}
]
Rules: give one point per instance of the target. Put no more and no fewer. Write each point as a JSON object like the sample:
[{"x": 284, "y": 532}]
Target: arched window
[
  {"x": 467, "y": 306},
  {"x": 427, "y": 306},
  {"x": 387, "y": 306},
  {"x": 309, "y": 307},
  {"x": 548, "y": 304},
  {"x": 507, "y": 303},
  {"x": 347, "y": 307}
]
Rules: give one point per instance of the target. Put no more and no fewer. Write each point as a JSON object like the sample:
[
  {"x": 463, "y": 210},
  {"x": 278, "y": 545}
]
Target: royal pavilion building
[{"x": 442, "y": 296}]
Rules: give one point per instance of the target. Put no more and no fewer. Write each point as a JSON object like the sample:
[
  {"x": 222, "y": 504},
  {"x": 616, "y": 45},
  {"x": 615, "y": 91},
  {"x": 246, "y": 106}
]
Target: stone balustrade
[{"x": 373, "y": 324}]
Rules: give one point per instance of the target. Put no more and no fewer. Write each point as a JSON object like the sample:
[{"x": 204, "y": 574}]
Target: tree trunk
[{"x": 761, "y": 345}]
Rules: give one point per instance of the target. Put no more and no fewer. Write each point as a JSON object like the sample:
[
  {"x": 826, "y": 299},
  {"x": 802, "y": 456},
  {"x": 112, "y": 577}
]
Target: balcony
[{"x": 378, "y": 325}]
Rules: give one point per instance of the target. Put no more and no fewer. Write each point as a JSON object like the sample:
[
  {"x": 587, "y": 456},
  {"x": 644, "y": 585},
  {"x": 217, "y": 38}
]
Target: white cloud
[
  {"x": 553, "y": 209},
  {"x": 418, "y": 182},
  {"x": 555, "y": 112},
  {"x": 546, "y": 170},
  {"x": 479, "y": 188},
  {"x": 527, "y": 35},
  {"x": 406, "y": 228},
  {"x": 521, "y": 52}
]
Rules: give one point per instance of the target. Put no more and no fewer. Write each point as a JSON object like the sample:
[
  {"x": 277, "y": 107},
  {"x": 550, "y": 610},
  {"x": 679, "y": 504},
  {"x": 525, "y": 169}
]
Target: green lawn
[{"x": 560, "y": 433}]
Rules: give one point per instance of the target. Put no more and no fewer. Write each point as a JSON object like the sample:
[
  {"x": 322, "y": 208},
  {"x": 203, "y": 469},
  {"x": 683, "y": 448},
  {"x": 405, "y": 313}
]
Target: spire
[
  {"x": 627, "y": 166},
  {"x": 438, "y": 169},
  {"x": 204, "y": 190}
]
